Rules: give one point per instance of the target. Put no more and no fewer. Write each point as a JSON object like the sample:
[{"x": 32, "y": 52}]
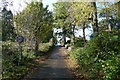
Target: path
[{"x": 54, "y": 68}]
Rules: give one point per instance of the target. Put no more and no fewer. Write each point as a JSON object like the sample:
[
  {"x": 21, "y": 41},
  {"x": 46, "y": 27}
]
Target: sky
[
  {"x": 49, "y": 2},
  {"x": 19, "y": 5}
]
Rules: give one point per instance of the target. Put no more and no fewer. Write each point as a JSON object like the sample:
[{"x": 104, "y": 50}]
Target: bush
[
  {"x": 75, "y": 53},
  {"x": 79, "y": 40},
  {"x": 100, "y": 58},
  {"x": 8, "y": 48},
  {"x": 79, "y": 44},
  {"x": 44, "y": 47},
  {"x": 10, "y": 67}
]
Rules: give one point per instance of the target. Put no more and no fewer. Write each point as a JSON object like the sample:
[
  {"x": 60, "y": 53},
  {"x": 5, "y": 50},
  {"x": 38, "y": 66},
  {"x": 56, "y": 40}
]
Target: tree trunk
[
  {"x": 73, "y": 34},
  {"x": 64, "y": 37},
  {"x": 109, "y": 27},
  {"x": 36, "y": 47},
  {"x": 118, "y": 15},
  {"x": 95, "y": 20},
  {"x": 119, "y": 9},
  {"x": 84, "y": 26},
  {"x": 107, "y": 19},
  {"x": 84, "y": 34}
]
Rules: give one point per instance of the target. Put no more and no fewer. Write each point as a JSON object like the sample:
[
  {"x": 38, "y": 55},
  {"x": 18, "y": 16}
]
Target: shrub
[
  {"x": 79, "y": 44},
  {"x": 10, "y": 67},
  {"x": 100, "y": 58},
  {"x": 8, "y": 48},
  {"x": 44, "y": 47}
]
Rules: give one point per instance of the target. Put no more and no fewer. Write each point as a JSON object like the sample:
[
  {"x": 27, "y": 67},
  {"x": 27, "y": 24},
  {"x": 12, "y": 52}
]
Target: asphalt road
[{"x": 54, "y": 67}]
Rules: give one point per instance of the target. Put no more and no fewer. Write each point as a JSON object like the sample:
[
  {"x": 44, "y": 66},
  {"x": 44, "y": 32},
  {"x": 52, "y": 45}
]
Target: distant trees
[
  {"x": 35, "y": 21},
  {"x": 70, "y": 15},
  {"x": 109, "y": 14},
  {"x": 100, "y": 15}
]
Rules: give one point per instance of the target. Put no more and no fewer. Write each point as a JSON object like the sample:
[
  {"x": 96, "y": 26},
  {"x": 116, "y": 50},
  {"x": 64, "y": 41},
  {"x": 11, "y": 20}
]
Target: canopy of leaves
[
  {"x": 61, "y": 14},
  {"x": 109, "y": 14},
  {"x": 80, "y": 12},
  {"x": 35, "y": 19}
]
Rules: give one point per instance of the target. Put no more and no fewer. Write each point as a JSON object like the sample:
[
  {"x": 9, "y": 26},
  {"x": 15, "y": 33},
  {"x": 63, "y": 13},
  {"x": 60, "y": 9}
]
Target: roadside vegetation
[
  {"x": 10, "y": 67},
  {"x": 98, "y": 58},
  {"x": 34, "y": 23}
]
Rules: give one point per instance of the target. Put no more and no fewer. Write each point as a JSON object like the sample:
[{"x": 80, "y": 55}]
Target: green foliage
[
  {"x": 61, "y": 16},
  {"x": 10, "y": 52},
  {"x": 80, "y": 12},
  {"x": 44, "y": 47},
  {"x": 8, "y": 48},
  {"x": 7, "y": 25},
  {"x": 79, "y": 39},
  {"x": 100, "y": 58},
  {"x": 79, "y": 42},
  {"x": 10, "y": 67},
  {"x": 47, "y": 36},
  {"x": 75, "y": 53},
  {"x": 109, "y": 14},
  {"x": 35, "y": 21}
]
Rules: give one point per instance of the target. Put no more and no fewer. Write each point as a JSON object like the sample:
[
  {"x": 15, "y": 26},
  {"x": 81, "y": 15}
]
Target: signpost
[{"x": 20, "y": 39}]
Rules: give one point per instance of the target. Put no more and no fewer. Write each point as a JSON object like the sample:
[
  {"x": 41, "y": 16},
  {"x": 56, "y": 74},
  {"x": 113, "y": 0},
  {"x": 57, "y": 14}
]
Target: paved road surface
[{"x": 54, "y": 68}]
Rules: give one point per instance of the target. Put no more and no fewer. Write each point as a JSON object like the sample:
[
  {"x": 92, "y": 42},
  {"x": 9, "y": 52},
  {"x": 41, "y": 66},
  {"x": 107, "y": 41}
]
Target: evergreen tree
[
  {"x": 7, "y": 25},
  {"x": 61, "y": 15}
]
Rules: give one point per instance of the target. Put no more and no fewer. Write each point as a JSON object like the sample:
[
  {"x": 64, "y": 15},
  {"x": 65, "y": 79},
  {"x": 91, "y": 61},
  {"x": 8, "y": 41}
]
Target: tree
[
  {"x": 94, "y": 17},
  {"x": 7, "y": 25},
  {"x": 80, "y": 13},
  {"x": 47, "y": 36},
  {"x": 36, "y": 21},
  {"x": 118, "y": 4},
  {"x": 109, "y": 16},
  {"x": 61, "y": 17}
]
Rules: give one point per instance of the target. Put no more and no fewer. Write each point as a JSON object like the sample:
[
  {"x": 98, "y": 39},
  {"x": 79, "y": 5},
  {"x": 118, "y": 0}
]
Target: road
[{"x": 54, "y": 67}]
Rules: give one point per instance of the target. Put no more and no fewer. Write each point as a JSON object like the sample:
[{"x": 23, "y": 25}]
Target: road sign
[{"x": 20, "y": 39}]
